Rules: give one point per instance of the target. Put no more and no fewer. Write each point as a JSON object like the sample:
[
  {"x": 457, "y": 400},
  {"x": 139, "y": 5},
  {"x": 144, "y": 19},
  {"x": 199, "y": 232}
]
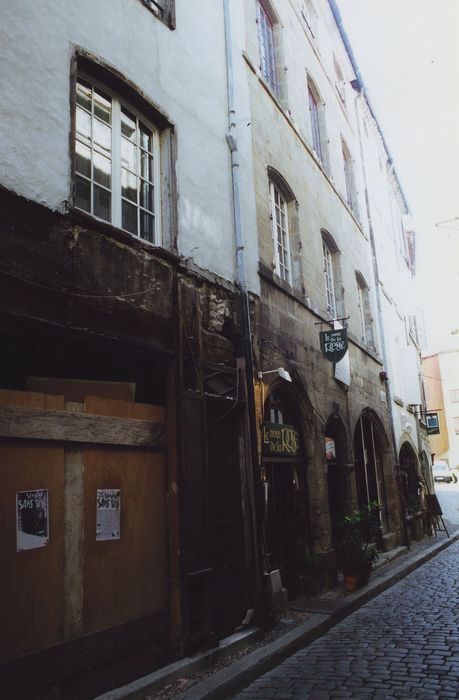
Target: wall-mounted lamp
[{"x": 283, "y": 374}]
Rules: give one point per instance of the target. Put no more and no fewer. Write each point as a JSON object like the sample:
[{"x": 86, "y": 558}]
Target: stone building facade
[{"x": 185, "y": 208}]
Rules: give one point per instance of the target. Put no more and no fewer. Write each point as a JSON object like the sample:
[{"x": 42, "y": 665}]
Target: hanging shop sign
[
  {"x": 432, "y": 424},
  {"x": 334, "y": 344},
  {"x": 32, "y": 519},
  {"x": 280, "y": 440},
  {"x": 330, "y": 449}
]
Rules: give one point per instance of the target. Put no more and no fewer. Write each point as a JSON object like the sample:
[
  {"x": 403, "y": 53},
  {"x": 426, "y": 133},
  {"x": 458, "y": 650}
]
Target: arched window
[
  {"x": 280, "y": 232},
  {"x": 332, "y": 277}
]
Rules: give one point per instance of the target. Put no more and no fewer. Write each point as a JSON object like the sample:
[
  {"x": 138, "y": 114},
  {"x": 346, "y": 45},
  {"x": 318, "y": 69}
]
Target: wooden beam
[{"x": 67, "y": 426}]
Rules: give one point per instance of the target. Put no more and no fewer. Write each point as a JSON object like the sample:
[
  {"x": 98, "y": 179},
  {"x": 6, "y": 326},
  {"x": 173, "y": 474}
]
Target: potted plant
[{"x": 355, "y": 550}]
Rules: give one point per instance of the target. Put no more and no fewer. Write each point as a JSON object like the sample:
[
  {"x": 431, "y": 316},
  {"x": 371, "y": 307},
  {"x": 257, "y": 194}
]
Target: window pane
[
  {"x": 128, "y": 124},
  {"x": 146, "y": 138},
  {"x": 83, "y": 123},
  {"x": 146, "y": 166},
  {"x": 129, "y": 217},
  {"x": 128, "y": 154},
  {"x": 102, "y": 135},
  {"x": 102, "y": 106},
  {"x": 84, "y": 94},
  {"x": 147, "y": 195},
  {"x": 102, "y": 169},
  {"x": 82, "y": 159},
  {"x": 82, "y": 194},
  {"x": 147, "y": 227},
  {"x": 102, "y": 203},
  {"x": 129, "y": 185}
]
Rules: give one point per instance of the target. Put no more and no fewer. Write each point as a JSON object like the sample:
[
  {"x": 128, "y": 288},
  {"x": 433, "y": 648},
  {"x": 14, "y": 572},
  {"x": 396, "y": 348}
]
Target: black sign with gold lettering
[
  {"x": 334, "y": 344},
  {"x": 280, "y": 440}
]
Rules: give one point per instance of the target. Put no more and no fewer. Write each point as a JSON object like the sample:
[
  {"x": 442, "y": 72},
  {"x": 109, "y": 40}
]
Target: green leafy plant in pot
[{"x": 355, "y": 550}]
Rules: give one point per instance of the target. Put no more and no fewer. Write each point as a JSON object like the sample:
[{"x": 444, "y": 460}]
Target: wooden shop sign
[
  {"x": 334, "y": 344},
  {"x": 280, "y": 440}
]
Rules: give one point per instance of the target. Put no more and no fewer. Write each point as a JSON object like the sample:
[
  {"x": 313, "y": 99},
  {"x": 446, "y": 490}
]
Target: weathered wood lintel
[{"x": 67, "y": 426}]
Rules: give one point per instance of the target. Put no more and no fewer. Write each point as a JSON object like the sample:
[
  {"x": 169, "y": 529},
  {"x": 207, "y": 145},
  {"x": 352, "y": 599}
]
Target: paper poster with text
[
  {"x": 108, "y": 514},
  {"x": 32, "y": 519}
]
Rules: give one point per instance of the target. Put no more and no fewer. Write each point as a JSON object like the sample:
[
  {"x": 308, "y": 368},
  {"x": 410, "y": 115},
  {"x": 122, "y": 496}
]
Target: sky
[{"x": 408, "y": 57}]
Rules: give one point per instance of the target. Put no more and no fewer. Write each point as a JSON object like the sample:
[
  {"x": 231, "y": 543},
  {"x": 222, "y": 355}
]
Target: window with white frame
[
  {"x": 339, "y": 82},
  {"x": 315, "y": 123},
  {"x": 456, "y": 424},
  {"x": 365, "y": 315},
  {"x": 266, "y": 41},
  {"x": 163, "y": 9},
  {"x": 280, "y": 232},
  {"x": 349, "y": 178},
  {"x": 117, "y": 170},
  {"x": 454, "y": 395},
  {"x": 329, "y": 279}
]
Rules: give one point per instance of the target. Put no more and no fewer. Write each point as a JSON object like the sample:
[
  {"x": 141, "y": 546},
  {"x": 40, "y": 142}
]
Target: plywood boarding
[
  {"x": 77, "y": 389},
  {"x": 124, "y": 409},
  {"x": 127, "y": 578},
  {"x": 31, "y": 399},
  {"x": 31, "y": 582}
]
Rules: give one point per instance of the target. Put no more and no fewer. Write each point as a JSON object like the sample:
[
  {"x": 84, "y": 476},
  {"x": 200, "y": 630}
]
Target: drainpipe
[
  {"x": 252, "y": 480},
  {"x": 398, "y": 474}
]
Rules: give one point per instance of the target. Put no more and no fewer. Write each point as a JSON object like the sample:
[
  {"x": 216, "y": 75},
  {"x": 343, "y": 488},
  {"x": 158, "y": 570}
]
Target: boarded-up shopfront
[{"x": 84, "y": 525}]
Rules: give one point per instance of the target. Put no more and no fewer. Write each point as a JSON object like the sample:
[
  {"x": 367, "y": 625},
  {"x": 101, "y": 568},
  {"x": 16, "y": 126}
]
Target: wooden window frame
[
  {"x": 329, "y": 279},
  {"x": 115, "y": 188},
  {"x": 315, "y": 124},
  {"x": 280, "y": 233},
  {"x": 267, "y": 47}
]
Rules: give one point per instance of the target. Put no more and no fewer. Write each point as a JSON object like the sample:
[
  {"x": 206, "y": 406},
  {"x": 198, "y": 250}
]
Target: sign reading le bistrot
[
  {"x": 334, "y": 344},
  {"x": 280, "y": 440}
]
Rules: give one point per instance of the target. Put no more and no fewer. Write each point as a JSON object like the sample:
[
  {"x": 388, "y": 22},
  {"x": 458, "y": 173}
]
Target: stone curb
[{"x": 231, "y": 679}]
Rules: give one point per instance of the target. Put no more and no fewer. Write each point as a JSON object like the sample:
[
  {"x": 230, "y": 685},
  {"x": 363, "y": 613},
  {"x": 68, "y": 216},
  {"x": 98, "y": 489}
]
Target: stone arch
[
  {"x": 410, "y": 476},
  {"x": 285, "y": 488},
  {"x": 373, "y": 466}
]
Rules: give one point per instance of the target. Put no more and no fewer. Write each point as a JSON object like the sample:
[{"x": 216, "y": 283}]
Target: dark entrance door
[
  {"x": 336, "y": 475},
  {"x": 226, "y": 534},
  {"x": 285, "y": 502}
]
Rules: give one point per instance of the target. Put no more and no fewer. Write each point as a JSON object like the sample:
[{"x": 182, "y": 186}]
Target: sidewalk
[{"x": 238, "y": 660}]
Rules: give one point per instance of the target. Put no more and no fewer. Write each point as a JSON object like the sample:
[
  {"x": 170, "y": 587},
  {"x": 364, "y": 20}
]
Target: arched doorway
[
  {"x": 368, "y": 460},
  {"x": 285, "y": 498},
  {"x": 336, "y": 453},
  {"x": 411, "y": 478}
]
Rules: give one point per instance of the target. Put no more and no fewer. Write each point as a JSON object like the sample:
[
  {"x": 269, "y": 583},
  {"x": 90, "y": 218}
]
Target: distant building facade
[{"x": 440, "y": 374}]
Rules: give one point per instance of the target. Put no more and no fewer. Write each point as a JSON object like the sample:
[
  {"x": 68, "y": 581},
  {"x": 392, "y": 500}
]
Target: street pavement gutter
[{"x": 233, "y": 678}]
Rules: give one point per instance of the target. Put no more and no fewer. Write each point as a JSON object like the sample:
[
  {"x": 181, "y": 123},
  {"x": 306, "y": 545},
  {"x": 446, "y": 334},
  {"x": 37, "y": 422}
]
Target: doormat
[{"x": 328, "y": 606}]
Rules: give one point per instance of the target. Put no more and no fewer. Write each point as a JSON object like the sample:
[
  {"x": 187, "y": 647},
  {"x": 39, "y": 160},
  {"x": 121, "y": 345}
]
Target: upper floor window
[
  {"x": 280, "y": 232},
  {"x": 339, "y": 81},
  {"x": 315, "y": 126},
  {"x": 117, "y": 162},
  {"x": 309, "y": 15},
  {"x": 267, "y": 43},
  {"x": 455, "y": 395},
  {"x": 163, "y": 9},
  {"x": 365, "y": 315},
  {"x": 349, "y": 179},
  {"x": 329, "y": 279},
  {"x": 456, "y": 424}
]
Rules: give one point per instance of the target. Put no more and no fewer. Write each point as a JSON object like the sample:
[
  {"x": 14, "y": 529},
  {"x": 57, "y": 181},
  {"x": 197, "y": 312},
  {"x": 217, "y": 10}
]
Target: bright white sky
[{"x": 407, "y": 52}]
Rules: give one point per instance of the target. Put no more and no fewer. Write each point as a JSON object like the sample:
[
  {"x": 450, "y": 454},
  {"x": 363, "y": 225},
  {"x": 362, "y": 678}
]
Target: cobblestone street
[{"x": 403, "y": 644}]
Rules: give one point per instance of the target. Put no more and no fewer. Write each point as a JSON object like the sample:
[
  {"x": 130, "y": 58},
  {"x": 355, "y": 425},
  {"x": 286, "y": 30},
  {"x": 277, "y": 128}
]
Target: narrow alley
[{"x": 403, "y": 644}]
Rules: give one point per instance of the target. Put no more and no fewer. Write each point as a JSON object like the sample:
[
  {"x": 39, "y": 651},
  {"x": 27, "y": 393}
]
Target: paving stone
[{"x": 402, "y": 644}]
